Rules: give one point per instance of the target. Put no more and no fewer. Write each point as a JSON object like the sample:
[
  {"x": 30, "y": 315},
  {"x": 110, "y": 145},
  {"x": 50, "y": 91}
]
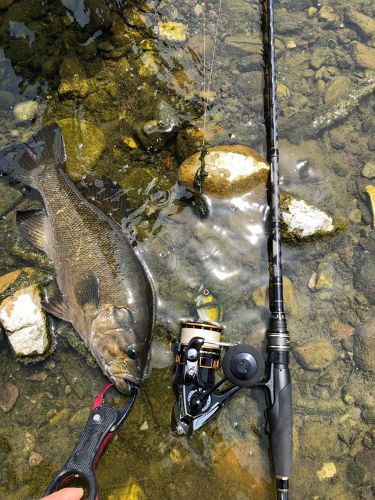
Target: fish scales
[{"x": 108, "y": 295}]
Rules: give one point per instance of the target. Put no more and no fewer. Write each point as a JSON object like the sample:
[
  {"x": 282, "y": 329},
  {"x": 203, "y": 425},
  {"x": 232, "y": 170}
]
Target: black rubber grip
[
  {"x": 280, "y": 421},
  {"x": 82, "y": 461}
]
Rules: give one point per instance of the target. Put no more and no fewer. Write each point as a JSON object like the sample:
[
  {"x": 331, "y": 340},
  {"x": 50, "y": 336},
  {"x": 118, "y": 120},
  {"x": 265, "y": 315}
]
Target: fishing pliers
[{"x": 102, "y": 424}]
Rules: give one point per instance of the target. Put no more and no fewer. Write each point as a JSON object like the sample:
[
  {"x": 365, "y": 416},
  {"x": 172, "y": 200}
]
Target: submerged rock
[
  {"x": 370, "y": 190},
  {"x": 4, "y": 4},
  {"x": 319, "y": 440},
  {"x": 8, "y": 279},
  {"x": 25, "y": 323},
  {"x": 245, "y": 43},
  {"x": 131, "y": 491},
  {"x": 364, "y": 56},
  {"x": 364, "y": 25},
  {"x": 364, "y": 346},
  {"x": 301, "y": 221},
  {"x": 324, "y": 278},
  {"x": 84, "y": 143},
  {"x": 25, "y": 111},
  {"x": 232, "y": 170},
  {"x": 327, "y": 471},
  {"x": 261, "y": 295},
  {"x": 316, "y": 355},
  {"x": 172, "y": 31},
  {"x": 8, "y": 396},
  {"x": 328, "y": 115},
  {"x": 369, "y": 170},
  {"x": 9, "y": 198},
  {"x": 363, "y": 277},
  {"x": 73, "y": 78},
  {"x": 240, "y": 467}
]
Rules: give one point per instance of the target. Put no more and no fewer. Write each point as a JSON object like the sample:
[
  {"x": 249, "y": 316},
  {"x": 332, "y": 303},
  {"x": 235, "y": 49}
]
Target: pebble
[
  {"x": 327, "y": 471},
  {"x": 14, "y": 133},
  {"x": 38, "y": 377},
  {"x": 370, "y": 190},
  {"x": 323, "y": 279},
  {"x": 8, "y": 396},
  {"x": 35, "y": 459},
  {"x": 25, "y": 111},
  {"x": 369, "y": 170},
  {"x": 144, "y": 426},
  {"x": 327, "y": 13},
  {"x": 291, "y": 44},
  {"x": 172, "y": 31}
]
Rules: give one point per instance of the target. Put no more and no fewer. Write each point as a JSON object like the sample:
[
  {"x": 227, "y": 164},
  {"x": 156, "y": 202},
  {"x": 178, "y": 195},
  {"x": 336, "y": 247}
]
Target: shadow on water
[{"x": 124, "y": 80}]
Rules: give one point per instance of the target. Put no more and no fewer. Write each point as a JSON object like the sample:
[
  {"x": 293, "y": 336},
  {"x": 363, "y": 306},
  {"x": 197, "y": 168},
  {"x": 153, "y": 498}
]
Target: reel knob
[{"x": 243, "y": 365}]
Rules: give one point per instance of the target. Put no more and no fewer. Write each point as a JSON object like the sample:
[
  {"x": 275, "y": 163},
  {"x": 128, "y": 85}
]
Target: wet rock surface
[
  {"x": 231, "y": 170},
  {"x": 316, "y": 355},
  {"x": 9, "y": 395},
  {"x": 303, "y": 221},
  {"x": 364, "y": 344},
  {"x": 22, "y": 317}
]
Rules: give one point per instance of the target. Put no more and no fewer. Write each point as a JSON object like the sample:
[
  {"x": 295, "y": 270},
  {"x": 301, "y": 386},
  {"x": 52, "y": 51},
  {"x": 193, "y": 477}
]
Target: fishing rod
[{"x": 200, "y": 352}]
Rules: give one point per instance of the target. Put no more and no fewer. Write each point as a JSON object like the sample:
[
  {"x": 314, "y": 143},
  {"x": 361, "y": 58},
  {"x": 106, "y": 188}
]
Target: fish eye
[
  {"x": 206, "y": 292},
  {"x": 132, "y": 352}
]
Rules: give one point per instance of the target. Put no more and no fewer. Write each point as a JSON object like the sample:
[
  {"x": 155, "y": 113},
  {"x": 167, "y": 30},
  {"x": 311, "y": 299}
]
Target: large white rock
[
  {"x": 232, "y": 170},
  {"x": 300, "y": 220},
  {"x": 25, "y": 323}
]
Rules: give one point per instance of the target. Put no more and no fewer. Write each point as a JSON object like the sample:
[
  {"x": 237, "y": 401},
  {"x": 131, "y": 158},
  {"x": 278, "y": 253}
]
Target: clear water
[{"x": 142, "y": 86}]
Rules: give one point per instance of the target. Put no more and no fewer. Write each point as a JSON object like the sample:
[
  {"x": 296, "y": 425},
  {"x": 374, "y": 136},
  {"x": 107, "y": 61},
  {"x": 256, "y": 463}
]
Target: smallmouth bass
[{"x": 106, "y": 292}]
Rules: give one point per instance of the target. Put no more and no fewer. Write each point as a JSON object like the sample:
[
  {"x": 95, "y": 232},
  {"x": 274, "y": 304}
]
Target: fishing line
[{"x": 200, "y": 204}]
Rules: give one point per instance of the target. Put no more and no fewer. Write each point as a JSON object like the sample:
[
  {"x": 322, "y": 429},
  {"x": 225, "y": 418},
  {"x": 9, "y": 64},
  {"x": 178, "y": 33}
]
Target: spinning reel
[{"x": 199, "y": 355}]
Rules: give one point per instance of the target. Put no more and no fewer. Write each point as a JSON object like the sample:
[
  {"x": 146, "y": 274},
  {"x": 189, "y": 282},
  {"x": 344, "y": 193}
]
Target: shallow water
[{"x": 128, "y": 79}]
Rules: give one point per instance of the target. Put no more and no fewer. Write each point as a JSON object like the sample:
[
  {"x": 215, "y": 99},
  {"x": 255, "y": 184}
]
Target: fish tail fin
[{"x": 23, "y": 162}]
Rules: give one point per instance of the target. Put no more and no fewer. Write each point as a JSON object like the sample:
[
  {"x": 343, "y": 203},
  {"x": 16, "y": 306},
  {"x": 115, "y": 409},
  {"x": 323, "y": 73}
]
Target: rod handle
[{"x": 280, "y": 422}]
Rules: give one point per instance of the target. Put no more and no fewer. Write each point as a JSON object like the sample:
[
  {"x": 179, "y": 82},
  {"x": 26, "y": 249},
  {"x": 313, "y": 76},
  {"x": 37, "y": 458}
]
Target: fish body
[
  {"x": 107, "y": 294},
  {"x": 208, "y": 307}
]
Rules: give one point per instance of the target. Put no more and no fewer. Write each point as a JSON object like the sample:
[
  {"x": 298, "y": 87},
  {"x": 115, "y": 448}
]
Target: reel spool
[{"x": 199, "y": 347}]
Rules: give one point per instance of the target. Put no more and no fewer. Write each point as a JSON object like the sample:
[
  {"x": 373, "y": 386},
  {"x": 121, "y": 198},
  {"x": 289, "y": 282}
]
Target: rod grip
[{"x": 280, "y": 422}]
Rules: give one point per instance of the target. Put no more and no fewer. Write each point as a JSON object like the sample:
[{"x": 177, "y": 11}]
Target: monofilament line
[{"x": 207, "y": 87}]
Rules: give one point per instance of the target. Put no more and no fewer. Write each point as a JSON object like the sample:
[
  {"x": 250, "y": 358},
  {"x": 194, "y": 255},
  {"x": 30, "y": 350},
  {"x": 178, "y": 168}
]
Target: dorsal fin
[
  {"x": 32, "y": 224},
  {"x": 107, "y": 196},
  {"x": 87, "y": 292}
]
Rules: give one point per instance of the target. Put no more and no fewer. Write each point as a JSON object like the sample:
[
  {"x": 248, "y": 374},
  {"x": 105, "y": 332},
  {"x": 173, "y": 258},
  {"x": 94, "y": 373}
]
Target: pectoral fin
[
  {"x": 87, "y": 292},
  {"x": 57, "y": 307},
  {"x": 32, "y": 224}
]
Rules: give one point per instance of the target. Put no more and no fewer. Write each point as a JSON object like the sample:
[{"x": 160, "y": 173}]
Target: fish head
[{"x": 121, "y": 350}]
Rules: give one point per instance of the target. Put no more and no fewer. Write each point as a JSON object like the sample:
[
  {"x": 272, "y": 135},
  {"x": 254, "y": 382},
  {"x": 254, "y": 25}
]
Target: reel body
[{"x": 199, "y": 355}]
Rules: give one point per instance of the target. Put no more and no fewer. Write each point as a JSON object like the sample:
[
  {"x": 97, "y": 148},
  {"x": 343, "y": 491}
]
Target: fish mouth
[{"x": 120, "y": 375}]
